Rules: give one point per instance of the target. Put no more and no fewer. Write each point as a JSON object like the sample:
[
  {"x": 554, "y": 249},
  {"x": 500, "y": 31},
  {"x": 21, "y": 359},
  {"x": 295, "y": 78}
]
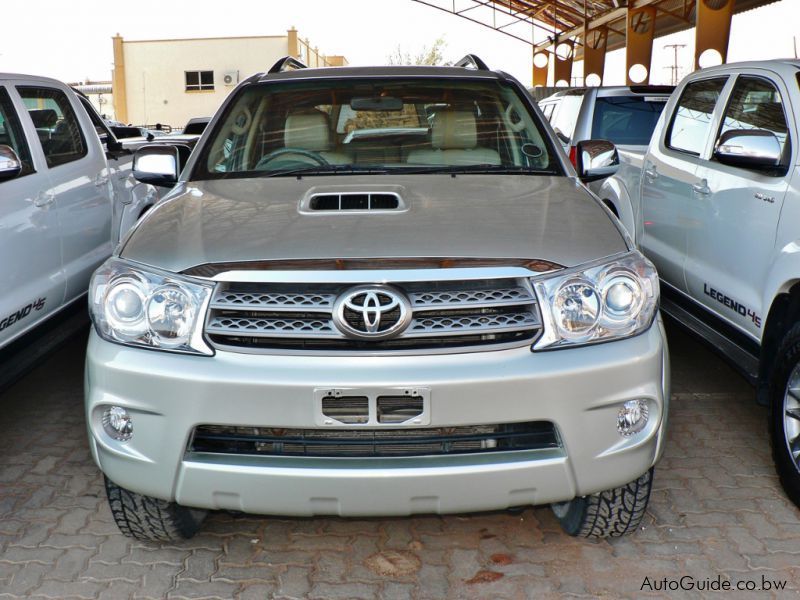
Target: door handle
[
  {"x": 701, "y": 189},
  {"x": 43, "y": 199},
  {"x": 651, "y": 174},
  {"x": 100, "y": 181}
]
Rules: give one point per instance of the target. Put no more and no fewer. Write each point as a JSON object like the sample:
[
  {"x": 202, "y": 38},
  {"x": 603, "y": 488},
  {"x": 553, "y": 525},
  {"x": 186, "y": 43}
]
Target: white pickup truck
[
  {"x": 66, "y": 196},
  {"x": 716, "y": 206}
]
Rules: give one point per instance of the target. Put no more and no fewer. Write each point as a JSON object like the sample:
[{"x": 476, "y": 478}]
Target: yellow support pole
[
  {"x": 639, "y": 52},
  {"x": 118, "y": 89},
  {"x": 713, "y": 29},
  {"x": 595, "y": 42}
]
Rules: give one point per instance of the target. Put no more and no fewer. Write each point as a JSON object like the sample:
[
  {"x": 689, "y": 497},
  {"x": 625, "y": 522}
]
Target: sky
[{"x": 73, "y": 42}]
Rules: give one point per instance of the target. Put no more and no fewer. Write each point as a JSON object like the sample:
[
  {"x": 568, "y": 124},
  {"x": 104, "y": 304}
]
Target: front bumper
[{"x": 579, "y": 390}]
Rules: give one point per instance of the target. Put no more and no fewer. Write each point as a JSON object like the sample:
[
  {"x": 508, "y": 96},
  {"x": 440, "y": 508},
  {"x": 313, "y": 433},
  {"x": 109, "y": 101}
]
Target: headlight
[
  {"x": 140, "y": 306},
  {"x": 598, "y": 302}
]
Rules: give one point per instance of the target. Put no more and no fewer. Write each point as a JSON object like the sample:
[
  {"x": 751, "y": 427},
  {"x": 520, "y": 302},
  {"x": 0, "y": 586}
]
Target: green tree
[{"x": 429, "y": 55}]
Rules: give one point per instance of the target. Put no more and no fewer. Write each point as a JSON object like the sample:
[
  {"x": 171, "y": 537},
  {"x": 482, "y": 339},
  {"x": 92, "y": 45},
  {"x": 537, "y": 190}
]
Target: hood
[{"x": 467, "y": 216}]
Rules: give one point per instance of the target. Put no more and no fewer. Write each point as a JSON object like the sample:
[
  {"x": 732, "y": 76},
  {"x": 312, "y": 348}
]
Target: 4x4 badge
[{"x": 371, "y": 312}]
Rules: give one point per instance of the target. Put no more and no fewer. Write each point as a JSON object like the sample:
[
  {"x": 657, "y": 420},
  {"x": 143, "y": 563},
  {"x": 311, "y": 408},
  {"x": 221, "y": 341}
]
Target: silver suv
[{"x": 431, "y": 315}]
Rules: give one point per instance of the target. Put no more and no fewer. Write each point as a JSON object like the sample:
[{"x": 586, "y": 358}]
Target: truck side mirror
[
  {"x": 10, "y": 164},
  {"x": 159, "y": 164},
  {"x": 748, "y": 149},
  {"x": 596, "y": 159}
]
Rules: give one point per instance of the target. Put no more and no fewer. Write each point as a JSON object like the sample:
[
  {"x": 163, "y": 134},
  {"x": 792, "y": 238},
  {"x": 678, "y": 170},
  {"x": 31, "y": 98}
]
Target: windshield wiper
[
  {"x": 473, "y": 169},
  {"x": 323, "y": 170}
]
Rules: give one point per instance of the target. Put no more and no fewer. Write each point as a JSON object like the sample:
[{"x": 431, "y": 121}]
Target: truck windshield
[
  {"x": 341, "y": 125},
  {"x": 627, "y": 120}
]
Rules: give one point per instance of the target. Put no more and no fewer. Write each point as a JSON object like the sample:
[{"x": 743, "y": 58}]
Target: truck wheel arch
[{"x": 783, "y": 313}]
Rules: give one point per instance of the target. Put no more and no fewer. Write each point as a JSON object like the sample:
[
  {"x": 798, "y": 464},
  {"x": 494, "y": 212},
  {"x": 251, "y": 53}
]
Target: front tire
[
  {"x": 612, "y": 513},
  {"x": 784, "y": 413},
  {"x": 150, "y": 519}
]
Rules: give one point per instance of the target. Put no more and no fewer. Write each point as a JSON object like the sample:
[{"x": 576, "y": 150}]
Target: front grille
[
  {"x": 445, "y": 314},
  {"x": 428, "y": 441}
]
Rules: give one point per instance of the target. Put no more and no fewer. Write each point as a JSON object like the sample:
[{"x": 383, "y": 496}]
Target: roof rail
[
  {"x": 286, "y": 63},
  {"x": 471, "y": 60}
]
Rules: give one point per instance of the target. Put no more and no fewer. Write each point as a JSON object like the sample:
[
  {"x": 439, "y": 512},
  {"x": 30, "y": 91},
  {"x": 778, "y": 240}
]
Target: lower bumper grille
[{"x": 428, "y": 441}]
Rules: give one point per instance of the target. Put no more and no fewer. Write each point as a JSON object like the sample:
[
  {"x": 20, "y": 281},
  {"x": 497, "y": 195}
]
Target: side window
[
  {"x": 56, "y": 124},
  {"x": 102, "y": 131},
  {"x": 11, "y": 133},
  {"x": 566, "y": 117},
  {"x": 756, "y": 103},
  {"x": 692, "y": 118}
]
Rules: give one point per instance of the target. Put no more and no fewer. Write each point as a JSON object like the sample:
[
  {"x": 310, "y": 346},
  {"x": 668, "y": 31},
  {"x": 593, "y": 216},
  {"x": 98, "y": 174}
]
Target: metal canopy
[{"x": 541, "y": 23}]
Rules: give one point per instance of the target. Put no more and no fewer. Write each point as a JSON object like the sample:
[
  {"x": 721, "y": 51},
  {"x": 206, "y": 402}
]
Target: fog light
[
  {"x": 632, "y": 417},
  {"x": 117, "y": 423}
]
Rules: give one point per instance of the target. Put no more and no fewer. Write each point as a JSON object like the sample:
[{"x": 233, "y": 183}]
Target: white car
[{"x": 67, "y": 196}]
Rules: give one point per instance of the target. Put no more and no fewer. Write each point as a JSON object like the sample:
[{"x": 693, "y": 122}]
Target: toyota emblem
[{"x": 371, "y": 312}]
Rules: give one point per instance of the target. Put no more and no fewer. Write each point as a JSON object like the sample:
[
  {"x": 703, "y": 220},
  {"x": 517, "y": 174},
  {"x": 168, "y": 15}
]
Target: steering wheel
[{"x": 315, "y": 156}]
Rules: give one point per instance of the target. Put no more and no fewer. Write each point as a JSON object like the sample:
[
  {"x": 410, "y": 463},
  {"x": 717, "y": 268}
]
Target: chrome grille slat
[{"x": 444, "y": 314}]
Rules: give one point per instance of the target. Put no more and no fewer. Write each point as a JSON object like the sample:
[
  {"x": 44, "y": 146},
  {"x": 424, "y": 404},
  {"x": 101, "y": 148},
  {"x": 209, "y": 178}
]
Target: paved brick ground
[{"x": 716, "y": 510}]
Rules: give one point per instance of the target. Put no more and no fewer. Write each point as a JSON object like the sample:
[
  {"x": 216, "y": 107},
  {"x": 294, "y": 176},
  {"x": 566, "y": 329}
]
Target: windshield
[{"x": 376, "y": 125}]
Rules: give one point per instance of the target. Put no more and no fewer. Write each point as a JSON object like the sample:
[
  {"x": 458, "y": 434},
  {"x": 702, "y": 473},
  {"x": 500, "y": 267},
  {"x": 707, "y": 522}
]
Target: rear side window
[
  {"x": 692, "y": 118},
  {"x": 11, "y": 133},
  {"x": 566, "y": 117},
  {"x": 756, "y": 104},
  {"x": 56, "y": 124},
  {"x": 626, "y": 120}
]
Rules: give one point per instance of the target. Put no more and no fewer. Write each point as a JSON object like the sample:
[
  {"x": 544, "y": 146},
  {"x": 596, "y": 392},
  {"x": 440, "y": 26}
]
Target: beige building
[{"x": 171, "y": 81}]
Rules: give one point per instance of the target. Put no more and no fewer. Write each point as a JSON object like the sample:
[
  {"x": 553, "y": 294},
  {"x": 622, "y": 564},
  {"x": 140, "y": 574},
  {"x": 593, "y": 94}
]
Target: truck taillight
[{"x": 573, "y": 156}]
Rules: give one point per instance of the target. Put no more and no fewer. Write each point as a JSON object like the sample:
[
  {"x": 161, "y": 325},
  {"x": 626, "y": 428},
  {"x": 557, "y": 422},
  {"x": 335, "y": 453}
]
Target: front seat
[
  {"x": 454, "y": 141},
  {"x": 311, "y": 131}
]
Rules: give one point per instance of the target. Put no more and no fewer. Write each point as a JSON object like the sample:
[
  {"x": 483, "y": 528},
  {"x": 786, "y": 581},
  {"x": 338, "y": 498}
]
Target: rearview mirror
[
  {"x": 749, "y": 148},
  {"x": 157, "y": 164},
  {"x": 596, "y": 159},
  {"x": 377, "y": 103},
  {"x": 10, "y": 164}
]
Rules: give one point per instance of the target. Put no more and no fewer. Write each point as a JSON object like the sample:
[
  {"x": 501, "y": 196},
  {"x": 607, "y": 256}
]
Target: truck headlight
[
  {"x": 141, "y": 306},
  {"x": 597, "y": 302}
]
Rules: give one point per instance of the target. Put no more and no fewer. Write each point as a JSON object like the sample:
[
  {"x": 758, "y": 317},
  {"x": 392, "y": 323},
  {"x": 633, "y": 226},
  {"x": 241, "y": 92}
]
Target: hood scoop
[{"x": 349, "y": 202}]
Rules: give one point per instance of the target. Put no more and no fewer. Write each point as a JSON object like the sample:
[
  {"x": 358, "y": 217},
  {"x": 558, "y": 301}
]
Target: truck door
[
  {"x": 739, "y": 209},
  {"x": 668, "y": 174},
  {"x": 78, "y": 171},
  {"x": 31, "y": 274}
]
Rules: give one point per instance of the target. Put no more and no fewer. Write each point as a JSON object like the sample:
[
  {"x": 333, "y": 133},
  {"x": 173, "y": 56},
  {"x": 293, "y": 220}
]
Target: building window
[{"x": 199, "y": 81}]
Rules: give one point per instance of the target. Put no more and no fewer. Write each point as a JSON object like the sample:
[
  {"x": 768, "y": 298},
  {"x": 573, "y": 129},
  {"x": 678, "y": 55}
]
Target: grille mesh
[{"x": 445, "y": 315}]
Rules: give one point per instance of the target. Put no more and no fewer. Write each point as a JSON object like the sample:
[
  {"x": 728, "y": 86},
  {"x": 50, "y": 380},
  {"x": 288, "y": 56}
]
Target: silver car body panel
[
  {"x": 579, "y": 390},
  {"x": 486, "y": 216}
]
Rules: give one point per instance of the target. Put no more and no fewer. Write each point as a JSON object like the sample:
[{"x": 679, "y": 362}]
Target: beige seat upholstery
[
  {"x": 311, "y": 131},
  {"x": 454, "y": 141}
]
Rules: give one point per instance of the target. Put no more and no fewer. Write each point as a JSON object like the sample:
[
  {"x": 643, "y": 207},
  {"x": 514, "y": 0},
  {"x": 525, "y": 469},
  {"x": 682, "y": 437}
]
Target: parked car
[
  {"x": 623, "y": 115},
  {"x": 196, "y": 126},
  {"x": 717, "y": 205},
  {"x": 64, "y": 193},
  {"x": 317, "y": 322}
]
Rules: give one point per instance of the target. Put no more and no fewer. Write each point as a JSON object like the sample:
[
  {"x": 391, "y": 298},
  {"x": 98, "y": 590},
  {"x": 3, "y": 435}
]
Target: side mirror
[
  {"x": 157, "y": 164},
  {"x": 596, "y": 159},
  {"x": 10, "y": 164},
  {"x": 749, "y": 149}
]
